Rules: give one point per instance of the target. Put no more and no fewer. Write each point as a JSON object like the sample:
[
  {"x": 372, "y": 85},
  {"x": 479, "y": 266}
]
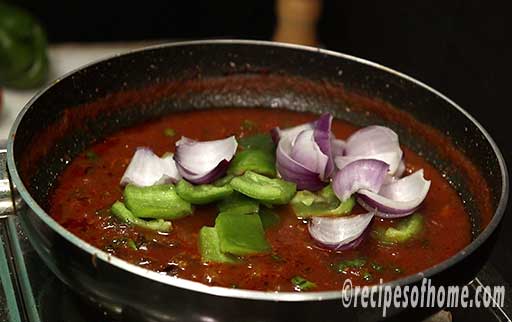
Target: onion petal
[
  {"x": 291, "y": 170},
  {"x": 390, "y": 158},
  {"x": 203, "y": 162},
  {"x": 147, "y": 169},
  {"x": 401, "y": 169},
  {"x": 356, "y": 242},
  {"x": 398, "y": 174},
  {"x": 275, "y": 133},
  {"x": 304, "y": 153},
  {"x": 397, "y": 199},
  {"x": 338, "y": 233},
  {"x": 337, "y": 147},
  {"x": 322, "y": 134},
  {"x": 368, "y": 174},
  {"x": 307, "y": 152},
  {"x": 289, "y": 133},
  {"x": 373, "y": 142}
]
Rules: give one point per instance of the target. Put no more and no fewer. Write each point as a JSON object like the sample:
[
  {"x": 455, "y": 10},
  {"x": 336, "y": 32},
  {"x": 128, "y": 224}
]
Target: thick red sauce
[{"x": 90, "y": 185}]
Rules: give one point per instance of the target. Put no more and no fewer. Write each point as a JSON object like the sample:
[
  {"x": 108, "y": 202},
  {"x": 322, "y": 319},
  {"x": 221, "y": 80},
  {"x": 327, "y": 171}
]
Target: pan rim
[{"x": 250, "y": 294}]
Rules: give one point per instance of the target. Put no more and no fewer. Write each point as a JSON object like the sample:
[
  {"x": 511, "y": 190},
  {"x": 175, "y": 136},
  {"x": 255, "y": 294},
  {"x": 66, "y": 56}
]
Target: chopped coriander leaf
[
  {"x": 169, "y": 132},
  {"x": 248, "y": 125},
  {"x": 367, "y": 276},
  {"x": 91, "y": 155},
  {"x": 131, "y": 244},
  {"x": 103, "y": 212},
  {"x": 376, "y": 267},
  {"x": 350, "y": 263},
  {"x": 302, "y": 284},
  {"x": 277, "y": 258}
]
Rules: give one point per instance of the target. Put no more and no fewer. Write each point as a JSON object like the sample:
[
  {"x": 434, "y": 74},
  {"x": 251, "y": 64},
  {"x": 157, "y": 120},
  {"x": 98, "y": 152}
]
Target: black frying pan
[{"x": 112, "y": 94}]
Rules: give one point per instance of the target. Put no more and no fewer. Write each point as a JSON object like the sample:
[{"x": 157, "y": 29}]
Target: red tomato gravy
[{"x": 90, "y": 185}]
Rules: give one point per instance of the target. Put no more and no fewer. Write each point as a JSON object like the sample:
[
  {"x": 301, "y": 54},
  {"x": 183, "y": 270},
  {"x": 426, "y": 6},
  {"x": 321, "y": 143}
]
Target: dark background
[{"x": 462, "y": 48}]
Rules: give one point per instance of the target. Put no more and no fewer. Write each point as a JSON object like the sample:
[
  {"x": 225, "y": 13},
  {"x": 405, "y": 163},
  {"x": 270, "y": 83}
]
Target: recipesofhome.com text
[{"x": 422, "y": 295}]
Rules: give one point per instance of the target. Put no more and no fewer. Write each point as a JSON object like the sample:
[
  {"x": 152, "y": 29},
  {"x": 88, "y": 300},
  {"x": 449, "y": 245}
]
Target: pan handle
[{"x": 6, "y": 196}]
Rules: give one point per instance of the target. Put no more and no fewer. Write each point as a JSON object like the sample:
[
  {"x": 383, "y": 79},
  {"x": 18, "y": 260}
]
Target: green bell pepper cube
[
  {"x": 159, "y": 201},
  {"x": 125, "y": 215},
  {"x": 256, "y": 160},
  {"x": 302, "y": 284},
  {"x": 202, "y": 194},
  {"x": 324, "y": 203},
  {"x": 407, "y": 229},
  {"x": 241, "y": 234},
  {"x": 238, "y": 203},
  {"x": 268, "y": 217},
  {"x": 209, "y": 245},
  {"x": 259, "y": 187},
  {"x": 260, "y": 141},
  {"x": 223, "y": 181}
]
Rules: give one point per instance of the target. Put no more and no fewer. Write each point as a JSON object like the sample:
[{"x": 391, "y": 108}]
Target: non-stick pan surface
[{"x": 104, "y": 97}]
